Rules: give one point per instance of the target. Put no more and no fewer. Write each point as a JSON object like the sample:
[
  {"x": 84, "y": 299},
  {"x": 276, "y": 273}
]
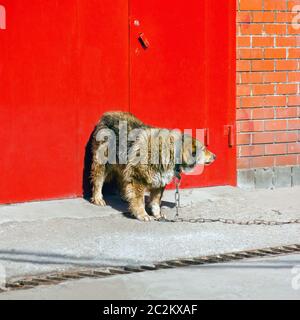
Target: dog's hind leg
[
  {"x": 98, "y": 175},
  {"x": 155, "y": 201},
  {"x": 134, "y": 194}
]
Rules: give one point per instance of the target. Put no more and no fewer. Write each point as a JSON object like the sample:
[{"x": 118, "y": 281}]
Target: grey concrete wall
[{"x": 269, "y": 178}]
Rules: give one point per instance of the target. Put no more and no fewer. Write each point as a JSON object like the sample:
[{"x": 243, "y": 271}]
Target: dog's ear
[{"x": 191, "y": 149}]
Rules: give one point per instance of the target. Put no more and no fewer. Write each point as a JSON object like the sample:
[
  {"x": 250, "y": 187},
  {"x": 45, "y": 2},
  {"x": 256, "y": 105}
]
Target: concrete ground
[
  {"x": 40, "y": 237},
  {"x": 267, "y": 278}
]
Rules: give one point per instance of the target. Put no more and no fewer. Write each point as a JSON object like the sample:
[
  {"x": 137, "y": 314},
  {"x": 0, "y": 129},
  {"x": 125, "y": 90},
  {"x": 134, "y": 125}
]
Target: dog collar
[{"x": 177, "y": 172}]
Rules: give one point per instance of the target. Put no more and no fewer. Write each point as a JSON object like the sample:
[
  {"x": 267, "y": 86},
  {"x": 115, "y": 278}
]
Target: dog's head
[{"x": 194, "y": 153}]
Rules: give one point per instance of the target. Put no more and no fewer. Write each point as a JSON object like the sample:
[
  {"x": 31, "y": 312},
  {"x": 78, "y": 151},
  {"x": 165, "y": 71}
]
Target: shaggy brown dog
[{"x": 146, "y": 160}]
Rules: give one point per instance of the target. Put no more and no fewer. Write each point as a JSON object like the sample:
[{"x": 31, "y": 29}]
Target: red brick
[
  {"x": 287, "y": 65},
  {"x": 292, "y": 3},
  {"x": 251, "y": 5},
  {"x": 251, "y": 53},
  {"x": 263, "y": 162},
  {"x": 294, "y": 53},
  {"x": 263, "y": 137},
  {"x": 294, "y": 76},
  {"x": 275, "y": 76},
  {"x": 248, "y": 151},
  {"x": 274, "y": 4},
  {"x": 286, "y": 41},
  {"x": 244, "y": 17},
  {"x": 263, "y": 65},
  {"x": 274, "y": 101},
  {"x": 275, "y": 125},
  {"x": 252, "y": 28},
  {"x": 275, "y": 148},
  {"x": 243, "y": 41},
  {"x": 252, "y": 102},
  {"x": 263, "y": 41},
  {"x": 262, "y": 89},
  {"x": 243, "y": 65},
  {"x": 284, "y": 16},
  {"x": 251, "y": 126},
  {"x": 294, "y": 124},
  {"x": 254, "y": 77},
  {"x": 275, "y": 53},
  {"x": 243, "y": 163},
  {"x": 294, "y": 101},
  {"x": 287, "y": 112},
  {"x": 275, "y": 28},
  {"x": 294, "y": 147},
  {"x": 242, "y": 138},
  {"x": 243, "y": 90},
  {"x": 286, "y": 136},
  {"x": 261, "y": 16},
  {"x": 286, "y": 160},
  {"x": 243, "y": 114},
  {"x": 263, "y": 113},
  {"x": 292, "y": 30},
  {"x": 287, "y": 88}
]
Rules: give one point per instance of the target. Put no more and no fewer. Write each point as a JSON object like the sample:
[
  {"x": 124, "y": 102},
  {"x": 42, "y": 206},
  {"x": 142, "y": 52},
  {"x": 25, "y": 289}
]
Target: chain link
[
  {"x": 177, "y": 198},
  {"x": 221, "y": 220}
]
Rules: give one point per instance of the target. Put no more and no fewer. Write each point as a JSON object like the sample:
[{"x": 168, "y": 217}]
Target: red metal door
[
  {"x": 62, "y": 64},
  {"x": 182, "y": 73}
]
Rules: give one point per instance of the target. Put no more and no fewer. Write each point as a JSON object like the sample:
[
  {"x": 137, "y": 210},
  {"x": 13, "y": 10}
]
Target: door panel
[
  {"x": 38, "y": 98},
  {"x": 62, "y": 64},
  {"x": 103, "y": 77},
  {"x": 184, "y": 76}
]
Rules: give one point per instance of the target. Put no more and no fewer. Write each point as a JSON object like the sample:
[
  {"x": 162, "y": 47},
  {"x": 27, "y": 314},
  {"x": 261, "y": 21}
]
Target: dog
[{"x": 150, "y": 158}]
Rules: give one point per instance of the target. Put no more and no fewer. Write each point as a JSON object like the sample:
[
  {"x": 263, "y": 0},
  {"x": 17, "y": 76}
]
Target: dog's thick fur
[{"x": 134, "y": 179}]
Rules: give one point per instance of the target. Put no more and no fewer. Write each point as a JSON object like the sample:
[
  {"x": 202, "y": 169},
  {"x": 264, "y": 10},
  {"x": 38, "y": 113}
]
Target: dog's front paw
[
  {"x": 98, "y": 201},
  {"x": 156, "y": 211},
  {"x": 144, "y": 217},
  {"x": 160, "y": 216}
]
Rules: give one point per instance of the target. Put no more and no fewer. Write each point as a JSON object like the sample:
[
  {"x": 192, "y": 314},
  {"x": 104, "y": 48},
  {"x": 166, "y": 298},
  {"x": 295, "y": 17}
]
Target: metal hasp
[{"x": 144, "y": 41}]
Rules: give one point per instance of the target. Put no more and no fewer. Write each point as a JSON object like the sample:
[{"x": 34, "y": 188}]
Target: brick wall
[{"x": 268, "y": 76}]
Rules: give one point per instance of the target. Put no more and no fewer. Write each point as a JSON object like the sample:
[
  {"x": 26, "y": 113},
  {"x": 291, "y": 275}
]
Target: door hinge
[
  {"x": 229, "y": 130},
  {"x": 206, "y": 137}
]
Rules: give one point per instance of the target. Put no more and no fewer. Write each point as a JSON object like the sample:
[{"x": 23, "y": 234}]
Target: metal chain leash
[
  {"x": 233, "y": 221},
  {"x": 221, "y": 220},
  {"x": 177, "y": 197}
]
